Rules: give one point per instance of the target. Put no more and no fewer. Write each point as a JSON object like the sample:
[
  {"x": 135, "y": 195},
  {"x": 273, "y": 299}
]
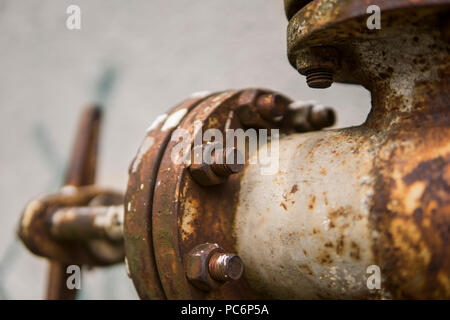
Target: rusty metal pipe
[
  {"x": 340, "y": 202},
  {"x": 81, "y": 172},
  {"x": 377, "y": 194}
]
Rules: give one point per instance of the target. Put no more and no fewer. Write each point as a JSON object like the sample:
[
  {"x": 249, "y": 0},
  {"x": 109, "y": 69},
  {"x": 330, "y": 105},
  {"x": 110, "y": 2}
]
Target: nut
[
  {"x": 216, "y": 164},
  {"x": 318, "y": 65},
  {"x": 208, "y": 267}
]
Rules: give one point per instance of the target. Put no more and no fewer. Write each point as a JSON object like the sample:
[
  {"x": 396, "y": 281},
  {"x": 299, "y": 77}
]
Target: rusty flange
[
  {"x": 166, "y": 210},
  {"x": 139, "y": 202}
]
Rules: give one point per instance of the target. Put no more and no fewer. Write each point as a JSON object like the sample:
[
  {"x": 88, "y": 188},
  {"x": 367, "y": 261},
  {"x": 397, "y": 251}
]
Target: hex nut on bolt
[
  {"x": 208, "y": 266},
  {"x": 318, "y": 64},
  {"x": 219, "y": 168}
]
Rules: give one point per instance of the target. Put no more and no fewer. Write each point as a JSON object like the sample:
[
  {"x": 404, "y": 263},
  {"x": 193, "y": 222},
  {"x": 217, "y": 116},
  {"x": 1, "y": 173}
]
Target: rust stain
[
  {"x": 312, "y": 201},
  {"x": 412, "y": 214},
  {"x": 325, "y": 258},
  {"x": 340, "y": 212},
  {"x": 355, "y": 251},
  {"x": 325, "y": 198},
  {"x": 307, "y": 268},
  {"x": 340, "y": 245}
]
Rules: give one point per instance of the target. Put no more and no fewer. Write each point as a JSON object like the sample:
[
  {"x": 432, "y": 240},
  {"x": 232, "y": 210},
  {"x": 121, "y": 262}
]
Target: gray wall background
[{"x": 139, "y": 58}]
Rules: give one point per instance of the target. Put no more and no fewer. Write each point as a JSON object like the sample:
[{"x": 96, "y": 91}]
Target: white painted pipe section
[{"x": 303, "y": 233}]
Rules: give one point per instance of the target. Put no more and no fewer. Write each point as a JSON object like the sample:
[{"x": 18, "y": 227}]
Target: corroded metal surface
[
  {"x": 182, "y": 205},
  {"x": 179, "y": 204},
  {"x": 375, "y": 194},
  {"x": 342, "y": 24},
  {"x": 81, "y": 171},
  {"x": 197, "y": 266},
  {"x": 303, "y": 233},
  {"x": 351, "y": 198},
  {"x": 340, "y": 201},
  {"x": 39, "y": 227},
  {"x": 217, "y": 170},
  {"x": 139, "y": 202},
  {"x": 99, "y": 222},
  {"x": 56, "y": 226}
]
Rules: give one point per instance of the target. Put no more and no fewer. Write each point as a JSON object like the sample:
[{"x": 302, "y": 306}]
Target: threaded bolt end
[
  {"x": 225, "y": 266},
  {"x": 319, "y": 78}
]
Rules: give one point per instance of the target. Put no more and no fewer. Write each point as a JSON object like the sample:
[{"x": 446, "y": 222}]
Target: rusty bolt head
[
  {"x": 318, "y": 65},
  {"x": 208, "y": 273}
]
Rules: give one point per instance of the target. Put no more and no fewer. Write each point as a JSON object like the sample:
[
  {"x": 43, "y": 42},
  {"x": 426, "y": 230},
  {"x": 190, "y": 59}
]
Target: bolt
[
  {"x": 232, "y": 162},
  {"x": 318, "y": 64},
  {"x": 224, "y": 163},
  {"x": 322, "y": 118},
  {"x": 225, "y": 266},
  {"x": 208, "y": 266},
  {"x": 319, "y": 78},
  {"x": 305, "y": 117},
  {"x": 272, "y": 106},
  {"x": 258, "y": 108},
  {"x": 74, "y": 223}
]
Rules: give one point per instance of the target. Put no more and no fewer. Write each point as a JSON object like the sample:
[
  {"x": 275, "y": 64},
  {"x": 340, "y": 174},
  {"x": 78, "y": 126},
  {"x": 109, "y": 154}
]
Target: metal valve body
[{"x": 333, "y": 203}]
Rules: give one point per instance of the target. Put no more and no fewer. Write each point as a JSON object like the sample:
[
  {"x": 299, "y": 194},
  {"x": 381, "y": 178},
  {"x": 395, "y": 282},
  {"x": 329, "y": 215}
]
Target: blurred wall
[{"x": 138, "y": 58}]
